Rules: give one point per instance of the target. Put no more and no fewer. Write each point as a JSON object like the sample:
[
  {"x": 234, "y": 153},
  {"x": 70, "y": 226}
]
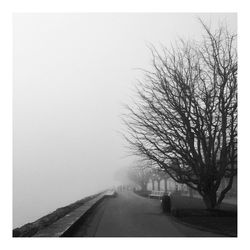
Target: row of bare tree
[{"x": 142, "y": 173}]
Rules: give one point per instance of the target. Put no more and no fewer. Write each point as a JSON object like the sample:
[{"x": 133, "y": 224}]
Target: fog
[{"x": 72, "y": 73}]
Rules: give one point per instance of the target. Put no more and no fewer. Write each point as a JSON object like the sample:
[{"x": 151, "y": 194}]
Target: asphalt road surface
[{"x": 130, "y": 215}]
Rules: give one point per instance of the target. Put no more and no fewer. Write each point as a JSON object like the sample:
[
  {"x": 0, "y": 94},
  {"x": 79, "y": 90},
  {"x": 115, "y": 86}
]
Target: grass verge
[{"x": 192, "y": 212}]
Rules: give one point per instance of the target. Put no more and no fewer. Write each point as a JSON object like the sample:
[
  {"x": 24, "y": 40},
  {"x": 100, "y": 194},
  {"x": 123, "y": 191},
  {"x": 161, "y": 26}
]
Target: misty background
[{"x": 72, "y": 75}]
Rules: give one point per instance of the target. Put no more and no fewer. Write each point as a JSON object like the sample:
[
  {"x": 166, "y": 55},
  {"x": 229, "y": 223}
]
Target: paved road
[{"x": 129, "y": 215}]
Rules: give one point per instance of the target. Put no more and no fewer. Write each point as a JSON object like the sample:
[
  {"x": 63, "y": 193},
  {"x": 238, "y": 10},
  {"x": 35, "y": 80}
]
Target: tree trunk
[
  {"x": 153, "y": 184},
  {"x": 166, "y": 185},
  {"x": 143, "y": 186},
  {"x": 159, "y": 186},
  {"x": 210, "y": 200}
]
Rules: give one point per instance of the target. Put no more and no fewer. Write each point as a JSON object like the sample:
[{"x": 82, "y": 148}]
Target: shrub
[{"x": 166, "y": 204}]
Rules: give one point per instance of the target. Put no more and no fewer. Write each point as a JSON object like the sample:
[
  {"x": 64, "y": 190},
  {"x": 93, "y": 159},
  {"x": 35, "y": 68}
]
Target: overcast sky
[{"x": 72, "y": 73}]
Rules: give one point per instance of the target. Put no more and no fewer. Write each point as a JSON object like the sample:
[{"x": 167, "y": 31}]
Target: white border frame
[{"x": 7, "y": 9}]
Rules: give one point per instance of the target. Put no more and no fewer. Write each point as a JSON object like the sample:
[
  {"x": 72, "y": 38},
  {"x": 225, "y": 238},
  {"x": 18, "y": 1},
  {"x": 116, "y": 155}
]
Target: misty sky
[{"x": 72, "y": 73}]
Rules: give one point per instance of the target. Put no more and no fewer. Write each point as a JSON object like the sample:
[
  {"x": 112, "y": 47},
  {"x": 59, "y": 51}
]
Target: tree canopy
[{"x": 185, "y": 117}]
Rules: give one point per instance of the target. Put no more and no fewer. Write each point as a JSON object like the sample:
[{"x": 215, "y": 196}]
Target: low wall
[{"x": 30, "y": 229}]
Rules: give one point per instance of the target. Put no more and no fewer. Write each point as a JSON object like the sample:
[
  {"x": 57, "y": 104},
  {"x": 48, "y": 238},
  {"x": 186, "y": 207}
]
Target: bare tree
[
  {"x": 140, "y": 174},
  {"x": 157, "y": 174},
  {"x": 185, "y": 118}
]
